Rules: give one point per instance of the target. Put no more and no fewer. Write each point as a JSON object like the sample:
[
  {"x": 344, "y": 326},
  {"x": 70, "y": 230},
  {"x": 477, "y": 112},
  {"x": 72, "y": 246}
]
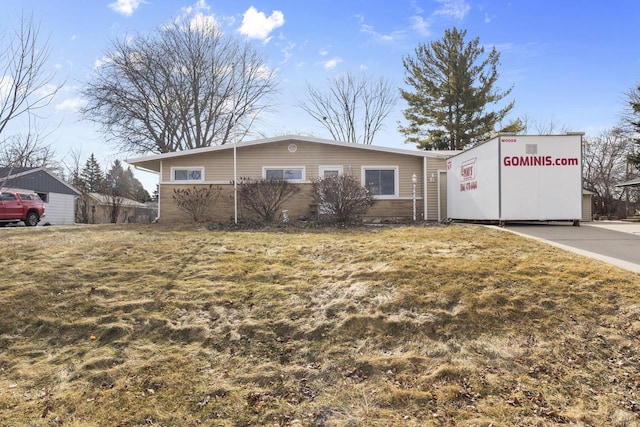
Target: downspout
[
  {"x": 235, "y": 183},
  {"x": 424, "y": 189},
  {"x": 500, "y": 179},
  {"x": 159, "y": 191}
]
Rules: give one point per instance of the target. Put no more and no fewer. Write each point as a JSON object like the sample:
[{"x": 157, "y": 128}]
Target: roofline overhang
[{"x": 152, "y": 162}]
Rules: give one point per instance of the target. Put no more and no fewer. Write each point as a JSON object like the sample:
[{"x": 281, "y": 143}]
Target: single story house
[
  {"x": 57, "y": 195},
  {"x": 95, "y": 208},
  {"x": 387, "y": 172}
]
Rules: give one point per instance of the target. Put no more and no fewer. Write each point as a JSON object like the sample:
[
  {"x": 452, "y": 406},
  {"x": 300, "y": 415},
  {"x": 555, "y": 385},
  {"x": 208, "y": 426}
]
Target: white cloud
[
  {"x": 383, "y": 38},
  {"x": 420, "y": 25},
  {"x": 6, "y": 84},
  {"x": 73, "y": 104},
  {"x": 256, "y": 25},
  {"x": 125, "y": 7},
  {"x": 197, "y": 8},
  {"x": 457, "y": 9},
  {"x": 203, "y": 23},
  {"x": 287, "y": 51},
  {"x": 102, "y": 61},
  {"x": 332, "y": 63},
  {"x": 416, "y": 7},
  {"x": 324, "y": 51}
]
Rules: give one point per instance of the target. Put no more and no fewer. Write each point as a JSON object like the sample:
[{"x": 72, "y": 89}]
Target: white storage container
[{"x": 517, "y": 178}]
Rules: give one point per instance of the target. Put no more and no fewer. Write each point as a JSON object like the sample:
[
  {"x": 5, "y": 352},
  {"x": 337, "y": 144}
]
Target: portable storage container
[{"x": 517, "y": 178}]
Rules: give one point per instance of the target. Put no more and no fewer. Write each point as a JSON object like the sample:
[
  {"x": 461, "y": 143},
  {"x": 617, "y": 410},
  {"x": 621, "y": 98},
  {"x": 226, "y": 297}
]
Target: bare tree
[
  {"x": 631, "y": 119},
  {"x": 19, "y": 151},
  {"x": 353, "y": 108},
  {"x": 605, "y": 165},
  {"x": 25, "y": 84},
  {"x": 183, "y": 86},
  {"x": 540, "y": 127}
]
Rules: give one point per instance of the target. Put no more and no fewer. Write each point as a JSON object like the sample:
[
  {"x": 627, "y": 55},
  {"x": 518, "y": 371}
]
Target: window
[
  {"x": 7, "y": 197},
  {"x": 29, "y": 196},
  {"x": 327, "y": 171},
  {"x": 381, "y": 181},
  {"x": 187, "y": 174},
  {"x": 288, "y": 174},
  {"x": 44, "y": 197}
]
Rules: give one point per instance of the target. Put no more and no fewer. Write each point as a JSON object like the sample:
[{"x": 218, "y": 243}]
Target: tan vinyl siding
[{"x": 251, "y": 159}]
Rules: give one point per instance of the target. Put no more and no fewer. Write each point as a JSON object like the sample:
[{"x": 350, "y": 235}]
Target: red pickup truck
[{"x": 20, "y": 205}]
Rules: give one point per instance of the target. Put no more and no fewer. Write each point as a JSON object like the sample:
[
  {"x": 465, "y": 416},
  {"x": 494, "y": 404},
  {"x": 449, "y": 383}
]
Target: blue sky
[{"x": 569, "y": 61}]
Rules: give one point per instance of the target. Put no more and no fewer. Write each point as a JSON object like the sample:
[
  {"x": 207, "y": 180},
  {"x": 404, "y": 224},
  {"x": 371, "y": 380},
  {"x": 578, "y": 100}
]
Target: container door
[{"x": 442, "y": 195}]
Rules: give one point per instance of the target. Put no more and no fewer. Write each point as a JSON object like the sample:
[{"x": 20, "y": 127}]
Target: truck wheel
[{"x": 32, "y": 219}]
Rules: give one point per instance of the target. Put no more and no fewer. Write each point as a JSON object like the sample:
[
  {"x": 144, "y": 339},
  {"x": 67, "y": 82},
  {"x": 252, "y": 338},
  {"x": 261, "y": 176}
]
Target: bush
[
  {"x": 265, "y": 197},
  {"x": 341, "y": 199},
  {"x": 198, "y": 202}
]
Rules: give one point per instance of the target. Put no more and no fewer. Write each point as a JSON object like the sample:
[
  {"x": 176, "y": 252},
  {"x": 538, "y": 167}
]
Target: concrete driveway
[{"x": 614, "y": 242}]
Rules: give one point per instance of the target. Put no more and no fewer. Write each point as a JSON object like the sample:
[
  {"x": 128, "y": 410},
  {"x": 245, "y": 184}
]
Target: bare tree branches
[
  {"x": 341, "y": 199},
  {"x": 198, "y": 202},
  {"x": 605, "y": 165},
  {"x": 182, "y": 87},
  {"x": 25, "y": 84},
  {"x": 353, "y": 108},
  {"x": 20, "y": 150},
  {"x": 265, "y": 197}
]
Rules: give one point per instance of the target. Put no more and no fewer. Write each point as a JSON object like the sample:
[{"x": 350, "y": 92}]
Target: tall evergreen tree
[
  {"x": 91, "y": 176},
  {"x": 117, "y": 188},
  {"x": 452, "y": 89},
  {"x": 136, "y": 189}
]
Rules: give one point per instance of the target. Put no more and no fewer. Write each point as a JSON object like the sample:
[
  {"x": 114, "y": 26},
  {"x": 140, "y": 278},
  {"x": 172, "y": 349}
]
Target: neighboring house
[
  {"x": 58, "y": 196},
  {"x": 387, "y": 172},
  {"x": 94, "y": 208},
  {"x": 587, "y": 205}
]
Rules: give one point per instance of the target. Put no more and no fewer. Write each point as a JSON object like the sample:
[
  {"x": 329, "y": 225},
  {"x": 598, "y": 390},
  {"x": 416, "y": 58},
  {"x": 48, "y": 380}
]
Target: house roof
[
  {"x": 152, "y": 162},
  {"x": 632, "y": 183},
  {"x": 103, "y": 199},
  {"x": 37, "y": 179}
]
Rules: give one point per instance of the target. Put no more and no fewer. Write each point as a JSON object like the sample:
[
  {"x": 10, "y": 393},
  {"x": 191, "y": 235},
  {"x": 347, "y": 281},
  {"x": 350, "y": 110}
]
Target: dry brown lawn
[{"x": 390, "y": 326}]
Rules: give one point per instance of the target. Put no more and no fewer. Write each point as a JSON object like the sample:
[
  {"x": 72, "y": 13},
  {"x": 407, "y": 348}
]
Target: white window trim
[
  {"x": 396, "y": 180},
  {"x": 303, "y": 168},
  {"x": 322, "y": 169},
  {"x": 175, "y": 168}
]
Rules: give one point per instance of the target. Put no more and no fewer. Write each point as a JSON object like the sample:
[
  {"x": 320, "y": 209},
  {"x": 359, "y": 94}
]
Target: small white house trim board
[{"x": 517, "y": 178}]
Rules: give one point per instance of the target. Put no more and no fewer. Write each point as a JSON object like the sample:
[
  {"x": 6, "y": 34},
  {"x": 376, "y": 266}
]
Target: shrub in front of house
[
  {"x": 341, "y": 199},
  {"x": 265, "y": 197},
  {"x": 197, "y": 202}
]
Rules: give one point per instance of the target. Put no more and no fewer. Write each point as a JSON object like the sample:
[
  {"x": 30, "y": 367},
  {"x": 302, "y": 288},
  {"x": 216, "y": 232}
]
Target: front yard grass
[{"x": 389, "y": 326}]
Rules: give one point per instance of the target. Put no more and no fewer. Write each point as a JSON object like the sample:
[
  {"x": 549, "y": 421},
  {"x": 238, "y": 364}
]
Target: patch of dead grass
[{"x": 460, "y": 325}]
